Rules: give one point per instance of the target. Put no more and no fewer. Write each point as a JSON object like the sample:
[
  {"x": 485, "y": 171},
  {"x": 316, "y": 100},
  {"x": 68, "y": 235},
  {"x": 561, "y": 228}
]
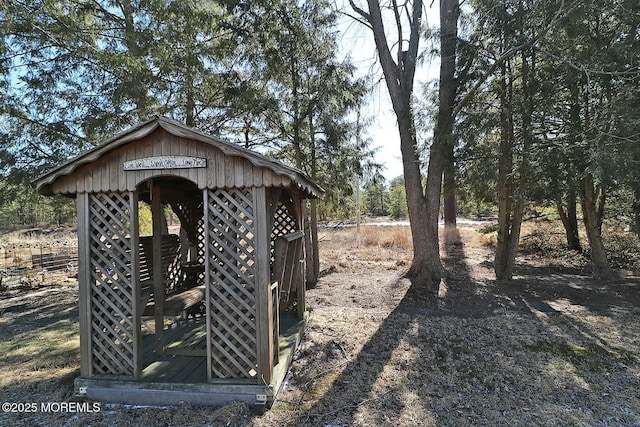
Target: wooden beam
[
  {"x": 207, "y": 281},
  {"x": 84, "y": 283},
  {"x": 136, "y": 304},
  {"x": 264, "y": 303},
  {"x": 158, "y": 285}
]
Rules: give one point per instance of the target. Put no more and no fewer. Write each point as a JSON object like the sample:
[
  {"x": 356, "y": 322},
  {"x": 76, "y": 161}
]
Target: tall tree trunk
[
  {"x": 190, "y": 104},
  {"x": 511, "y": 200},
  {"x": 426, "y": 267},
  {"x": 135, "y": 79},
  {"x": 399, "y": 73},
  {"x": 449, "y": 188},
  {"x": 512, "y": 193},
  {"x": 569, "y": 219},
  {"x": 636, "y": 211},
  {"x": 313, "y": 272},
  {"x": 311, "y": 277},
  {"x": 636, "y": 194},
  {"x": 591, "y": 201},
  {"x": 423, "y": 205},
  {"x": 449, "y": 10},
  {"x": 315, "y": 256},
  {"x": 508, "y": 241},
  {"x": 636, "y": 214},
  {"x": 505, "y": 248}
]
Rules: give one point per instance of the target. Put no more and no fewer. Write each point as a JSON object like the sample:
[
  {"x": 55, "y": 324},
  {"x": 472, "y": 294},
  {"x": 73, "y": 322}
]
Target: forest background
[{"x": 544, "y": 103}]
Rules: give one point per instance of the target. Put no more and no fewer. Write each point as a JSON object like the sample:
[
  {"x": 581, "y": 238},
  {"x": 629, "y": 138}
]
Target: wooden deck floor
[
  {"x": 171, "y": 379},
  {"x": 185, "y": 358}
]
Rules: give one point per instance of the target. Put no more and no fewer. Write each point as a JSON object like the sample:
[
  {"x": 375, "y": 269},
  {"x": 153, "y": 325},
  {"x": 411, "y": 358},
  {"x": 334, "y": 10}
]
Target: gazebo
[{"x": 209, "y": 305}]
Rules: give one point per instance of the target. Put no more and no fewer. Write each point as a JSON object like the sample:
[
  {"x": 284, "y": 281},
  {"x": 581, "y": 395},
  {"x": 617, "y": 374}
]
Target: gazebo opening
[{"x": 173, "y": 318}]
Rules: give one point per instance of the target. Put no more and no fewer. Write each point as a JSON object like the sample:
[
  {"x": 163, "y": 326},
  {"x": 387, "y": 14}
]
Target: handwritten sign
[{"x": 165, "y": 162}]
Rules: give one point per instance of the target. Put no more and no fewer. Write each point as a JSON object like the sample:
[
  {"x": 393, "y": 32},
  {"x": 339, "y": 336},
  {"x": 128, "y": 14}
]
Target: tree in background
[
  {"x": 508, "y": 34},
  {"x": 313, "y": 96},
  {"x": 375, "y": 197},
  {"x": 564, "y": 100},
  {"x": 397, "y": 199},
  {"x": 591, "y": 119},
  {"x": 254, "y": 72}
]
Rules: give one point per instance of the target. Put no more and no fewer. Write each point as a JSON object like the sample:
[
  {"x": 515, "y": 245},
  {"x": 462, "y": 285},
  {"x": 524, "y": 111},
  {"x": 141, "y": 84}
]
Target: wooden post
[
  {"x": 264, "y": 303},
  {"x": 84, "y": 284},
  {"x": 207, "y": 280},
  {"x": 136, "y": 304},
  {"x": 301, "y": 279},
  {"x": 158, "y": 283}
]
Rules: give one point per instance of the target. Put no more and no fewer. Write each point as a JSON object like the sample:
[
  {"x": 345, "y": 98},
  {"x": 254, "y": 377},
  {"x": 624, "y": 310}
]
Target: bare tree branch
[
  {"x": 396, "y": 14},
  {"x": 360, "y": 12},
  {"x": 508, "y": 55}
]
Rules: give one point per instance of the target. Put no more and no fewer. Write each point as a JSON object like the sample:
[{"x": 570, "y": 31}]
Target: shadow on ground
[{"x": 493, "y": 353}]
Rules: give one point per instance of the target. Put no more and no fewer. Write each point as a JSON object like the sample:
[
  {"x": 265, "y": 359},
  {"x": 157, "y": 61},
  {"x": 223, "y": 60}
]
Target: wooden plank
[
  {"x": 136, "y": 303},
  {"x": 208, "y": 297},
  {"x": 117, "y": 177},
  {"x": 257, "y": 176},
  {"x": 198, "y": 374},
  {"x": 193, "y": 371},
  {"x": 275, "y": 299},
  {"x": 169, "y": 370},
  {"x": 192, "y": 150},
  {"x": 279, "y": 257},
  {"x": 238, "y": 172},
  {"x": 127, "y": 175},
  {"x": 156, "y": 147},
  {"x": 80, "y": 181},
  {"x": 264, "y": 304},
  {"x": 144, "y": 148},
  {"x": 88, "y": 179},
  {"x": 177, "y": 303},
  {"x": 191, "y": 337},
  {"x": 202, "y": 174},
  {"x": 158, "y": 285},
  {"x": 229, "y": 172},
  {"x": 248, "y": 173},
  {"x": 111, "y": 178},
  {"x": 217, "y": 178},
  {"x": 84, "y": 284},
  {"x": 267, "y": 177},
  {"x": 189, "y": 384},
  {"x": 299, "y": 213}
]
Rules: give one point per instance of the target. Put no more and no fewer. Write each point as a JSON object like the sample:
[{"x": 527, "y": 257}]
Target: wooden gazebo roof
[{"x": 289, "y": 177}]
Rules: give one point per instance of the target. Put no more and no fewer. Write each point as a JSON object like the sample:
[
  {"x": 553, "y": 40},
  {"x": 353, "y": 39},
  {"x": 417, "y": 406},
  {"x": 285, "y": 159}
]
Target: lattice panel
[
  {"x": 172, "y": 269},
  {"x": 232, "y": 304},
  {"x": 190, "y": 215},
  {"x": 111, "y": 290},
  {"x": 200, "y": 245},
  {"x": 283, "y": 222}
]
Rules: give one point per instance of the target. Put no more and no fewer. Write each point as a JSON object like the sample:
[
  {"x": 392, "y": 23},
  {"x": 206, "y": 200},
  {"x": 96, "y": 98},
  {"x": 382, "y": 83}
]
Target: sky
[{"x": 358, "y": 45}]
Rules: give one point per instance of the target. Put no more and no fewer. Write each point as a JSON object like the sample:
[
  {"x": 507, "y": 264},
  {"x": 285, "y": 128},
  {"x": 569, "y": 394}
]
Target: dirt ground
[{"x": 552, "y": 347}]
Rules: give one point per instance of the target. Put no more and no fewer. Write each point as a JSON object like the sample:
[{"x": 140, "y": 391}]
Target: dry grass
[
  {"x": 552, "y": 348},
  {"x": 38, "y": 237},
  {"x": 386, "y": 236}
]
